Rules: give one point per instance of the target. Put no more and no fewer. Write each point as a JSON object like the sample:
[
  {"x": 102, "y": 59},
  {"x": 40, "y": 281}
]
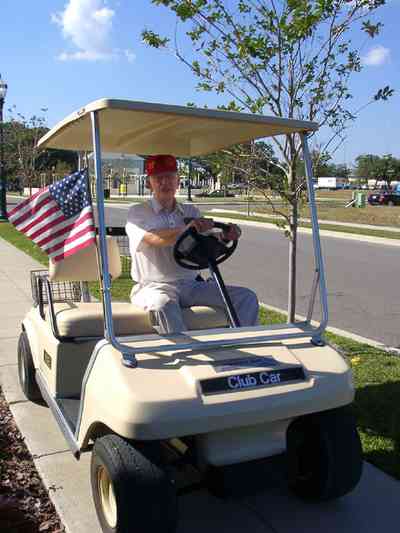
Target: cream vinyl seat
[{"x": 85, "y": 319}]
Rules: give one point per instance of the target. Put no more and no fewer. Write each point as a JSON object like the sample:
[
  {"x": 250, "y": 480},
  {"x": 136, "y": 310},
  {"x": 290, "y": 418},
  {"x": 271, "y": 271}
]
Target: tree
[
  {"x": 291, "y": 58},
  {"x": 389, "y": 168},
  {"x": 22, "y": 156},
  {"x": 370, "y": 166},
  {"x": 367, "y": 166},
  {"x": 242, "y": 162},
  {"x": 323, "y": 166},
  {"x": 340, "y": 171},
  {"x": 22, "y": 152},
  {"x": 62, "y": 162}
]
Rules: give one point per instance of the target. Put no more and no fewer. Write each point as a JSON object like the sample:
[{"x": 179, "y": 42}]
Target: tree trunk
[
  {"x": 293, "y": 234},
  {"x": 292, "y": 264}
]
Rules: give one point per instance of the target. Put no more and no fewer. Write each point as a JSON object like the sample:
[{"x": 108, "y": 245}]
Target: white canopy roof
[{"x": 147, "y": 128}]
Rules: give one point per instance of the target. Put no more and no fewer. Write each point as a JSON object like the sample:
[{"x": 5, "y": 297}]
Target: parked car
[
  {"x": 218, "y": 193},
  {"x": 384, "y": 197}
]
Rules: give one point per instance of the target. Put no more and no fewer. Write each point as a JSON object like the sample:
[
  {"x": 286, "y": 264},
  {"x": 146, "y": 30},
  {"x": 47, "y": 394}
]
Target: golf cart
[{"x": 148, "y": 405}]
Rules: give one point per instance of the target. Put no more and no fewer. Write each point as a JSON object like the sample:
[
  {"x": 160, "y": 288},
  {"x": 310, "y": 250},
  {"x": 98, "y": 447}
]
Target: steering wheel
[{"x": 195, "y": 251}]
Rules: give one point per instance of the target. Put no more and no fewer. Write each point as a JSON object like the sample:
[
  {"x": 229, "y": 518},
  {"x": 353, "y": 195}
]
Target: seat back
[{"x": 82, "y": 265}]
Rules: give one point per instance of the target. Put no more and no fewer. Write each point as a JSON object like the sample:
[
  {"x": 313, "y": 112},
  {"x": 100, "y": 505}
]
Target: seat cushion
[{"x": 85, "y": 319}]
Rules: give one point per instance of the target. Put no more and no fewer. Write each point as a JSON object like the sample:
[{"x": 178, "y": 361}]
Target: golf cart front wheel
[
  {"x": 131, "y": 492},
  {"x": 324, "y": 455},
  {"x": 26, "y": 370}
]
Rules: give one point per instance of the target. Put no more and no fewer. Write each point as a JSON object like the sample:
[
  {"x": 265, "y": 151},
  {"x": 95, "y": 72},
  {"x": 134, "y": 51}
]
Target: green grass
[
  {"x": 120, "y": 288},
  {"x": 376, "y": 374},
  {"x": 322, "y": 226},
  {"x": 14, "y": 237},
  {"x": 377, "y": 402}
]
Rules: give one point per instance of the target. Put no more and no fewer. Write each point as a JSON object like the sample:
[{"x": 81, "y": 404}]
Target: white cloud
[
  {"x": 87, "y": 25},
  {"x": 378, "y": 55},
  {"x": 130, "y": 55}
]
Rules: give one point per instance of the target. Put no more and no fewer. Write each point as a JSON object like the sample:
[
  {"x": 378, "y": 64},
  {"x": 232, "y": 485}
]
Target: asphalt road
[{"x": 362, "y": 278}]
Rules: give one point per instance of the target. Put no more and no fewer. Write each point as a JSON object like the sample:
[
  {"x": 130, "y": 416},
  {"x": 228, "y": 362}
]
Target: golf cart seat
[{"x": 85, "y": 319}]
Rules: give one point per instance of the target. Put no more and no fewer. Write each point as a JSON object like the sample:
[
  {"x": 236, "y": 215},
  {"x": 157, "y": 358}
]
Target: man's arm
[
  {"x": 162, "y": 237},
  {"x": 168, "y": 237}
]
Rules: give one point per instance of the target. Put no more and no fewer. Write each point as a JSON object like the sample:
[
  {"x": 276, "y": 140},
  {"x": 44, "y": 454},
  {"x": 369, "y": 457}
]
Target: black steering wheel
[{"x": 195, "y": 251}]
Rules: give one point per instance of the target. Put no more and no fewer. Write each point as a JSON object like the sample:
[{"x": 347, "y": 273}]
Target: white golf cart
[{"x": 148, "y": 405}]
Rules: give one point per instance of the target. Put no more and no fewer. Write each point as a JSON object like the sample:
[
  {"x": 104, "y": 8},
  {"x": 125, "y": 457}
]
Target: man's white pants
[{"x": 165, "y": 300}]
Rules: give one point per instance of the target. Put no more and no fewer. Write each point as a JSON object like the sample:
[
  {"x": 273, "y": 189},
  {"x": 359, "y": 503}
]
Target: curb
[{"x": 340, "y": 332}]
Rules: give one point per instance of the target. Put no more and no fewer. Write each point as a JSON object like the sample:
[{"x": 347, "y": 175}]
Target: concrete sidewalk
[{"x": 371, "y": 508}]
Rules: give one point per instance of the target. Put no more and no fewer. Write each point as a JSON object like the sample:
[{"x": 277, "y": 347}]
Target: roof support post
[
  {"x": 128, "y": 357},
  {"x": 319, "y": 263}
]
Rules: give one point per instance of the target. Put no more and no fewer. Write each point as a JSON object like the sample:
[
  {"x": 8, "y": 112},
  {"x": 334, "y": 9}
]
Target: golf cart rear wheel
[
  {"x": 131, "y": 492},
  {"x": 324, "y": 455},
  {"x": 26, "y": 370}
]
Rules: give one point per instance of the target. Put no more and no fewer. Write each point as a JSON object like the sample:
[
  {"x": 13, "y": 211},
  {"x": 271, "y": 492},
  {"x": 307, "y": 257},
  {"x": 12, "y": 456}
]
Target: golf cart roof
[{"x": 148, "y": 128}]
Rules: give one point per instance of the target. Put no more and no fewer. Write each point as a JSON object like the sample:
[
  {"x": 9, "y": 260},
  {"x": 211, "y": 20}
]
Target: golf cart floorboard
[
  {"x": 65, "y": 411},
  {"x": 69, "y": 408}
]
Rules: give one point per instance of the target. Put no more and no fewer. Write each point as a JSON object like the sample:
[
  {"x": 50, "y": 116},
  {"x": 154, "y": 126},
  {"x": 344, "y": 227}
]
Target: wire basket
[{"x": 61, "y": 291}]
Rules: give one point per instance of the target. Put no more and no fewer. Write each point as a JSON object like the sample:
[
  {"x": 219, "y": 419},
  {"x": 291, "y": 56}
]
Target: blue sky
[{"x": 49, "y": 62}]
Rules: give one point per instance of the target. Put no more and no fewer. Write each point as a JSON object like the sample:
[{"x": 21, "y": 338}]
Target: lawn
[
  {"x": 376, "y": 374},
  {"x": 331, "y": 206},
  {"x": 331, "y": 227},
  {"x": 375, "y": 215}
]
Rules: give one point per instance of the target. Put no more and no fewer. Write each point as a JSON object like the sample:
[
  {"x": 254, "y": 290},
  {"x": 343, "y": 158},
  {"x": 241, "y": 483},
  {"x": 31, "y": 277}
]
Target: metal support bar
[
  {"x": 233, "y": 318},
  {"x": 238, "y": 342},
  {"x": 52, "y": 314},
  {"x": 312, "y": 296},
  {"x": 319, "y": 264},
  {"x": 40, "y": 298},
  {"x": 128, "y": 357}
]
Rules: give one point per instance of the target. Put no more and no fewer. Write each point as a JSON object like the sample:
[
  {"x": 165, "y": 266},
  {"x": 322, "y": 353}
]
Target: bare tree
[
  {"x": 22, "y": 138},
  {"x": 289, "y": 58}
]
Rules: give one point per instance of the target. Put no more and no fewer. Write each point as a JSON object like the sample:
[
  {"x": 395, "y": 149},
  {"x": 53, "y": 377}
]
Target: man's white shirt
[{"x": 153, "y": 263}]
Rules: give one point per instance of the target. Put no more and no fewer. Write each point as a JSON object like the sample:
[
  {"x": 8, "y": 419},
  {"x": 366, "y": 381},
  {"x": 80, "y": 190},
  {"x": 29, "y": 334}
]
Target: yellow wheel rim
[{"x": 107, "y": 496}]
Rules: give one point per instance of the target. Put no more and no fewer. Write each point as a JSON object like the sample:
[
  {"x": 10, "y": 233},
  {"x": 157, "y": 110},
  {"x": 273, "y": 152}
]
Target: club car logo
[
  {"x": 240, "y": 382},
  {"x": 263, "y": 378}
]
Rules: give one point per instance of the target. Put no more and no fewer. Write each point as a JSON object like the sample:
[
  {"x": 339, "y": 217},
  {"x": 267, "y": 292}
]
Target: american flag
[{"x": 58, "y": 218}]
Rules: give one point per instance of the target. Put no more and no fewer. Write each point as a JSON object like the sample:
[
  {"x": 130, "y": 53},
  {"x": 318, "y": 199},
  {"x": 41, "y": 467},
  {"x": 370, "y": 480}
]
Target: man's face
[{"x": 164, "y": 185}]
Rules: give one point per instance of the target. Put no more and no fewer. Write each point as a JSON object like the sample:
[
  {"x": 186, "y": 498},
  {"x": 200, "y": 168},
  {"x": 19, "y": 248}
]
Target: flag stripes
[{"x": 58, "y": 218}]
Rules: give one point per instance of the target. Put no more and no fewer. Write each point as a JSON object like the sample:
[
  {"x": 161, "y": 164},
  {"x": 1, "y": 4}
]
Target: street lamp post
[
  {"x": 3, "y": 198},
  {"x": 189, "y": 190}
]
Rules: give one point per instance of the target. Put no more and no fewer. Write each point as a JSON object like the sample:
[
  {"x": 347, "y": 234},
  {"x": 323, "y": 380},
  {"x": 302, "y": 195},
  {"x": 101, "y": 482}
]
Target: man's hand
[
  {"x": 201, "y": 224},
  {"x": 232, "y": 233}
]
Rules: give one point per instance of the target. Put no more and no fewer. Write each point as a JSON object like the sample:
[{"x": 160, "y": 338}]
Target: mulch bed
[{"x": 25, "y": 506}]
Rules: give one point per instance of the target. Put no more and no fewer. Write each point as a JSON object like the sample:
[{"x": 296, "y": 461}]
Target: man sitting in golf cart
[{"x": 162, "y": 286}]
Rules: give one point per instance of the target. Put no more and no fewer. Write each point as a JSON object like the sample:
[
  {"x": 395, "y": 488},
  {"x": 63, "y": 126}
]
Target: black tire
[
  {"x": 324, "y": 455},
  {"x": 143, "y": 498},
  {"x": 26, "y": 370}
]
